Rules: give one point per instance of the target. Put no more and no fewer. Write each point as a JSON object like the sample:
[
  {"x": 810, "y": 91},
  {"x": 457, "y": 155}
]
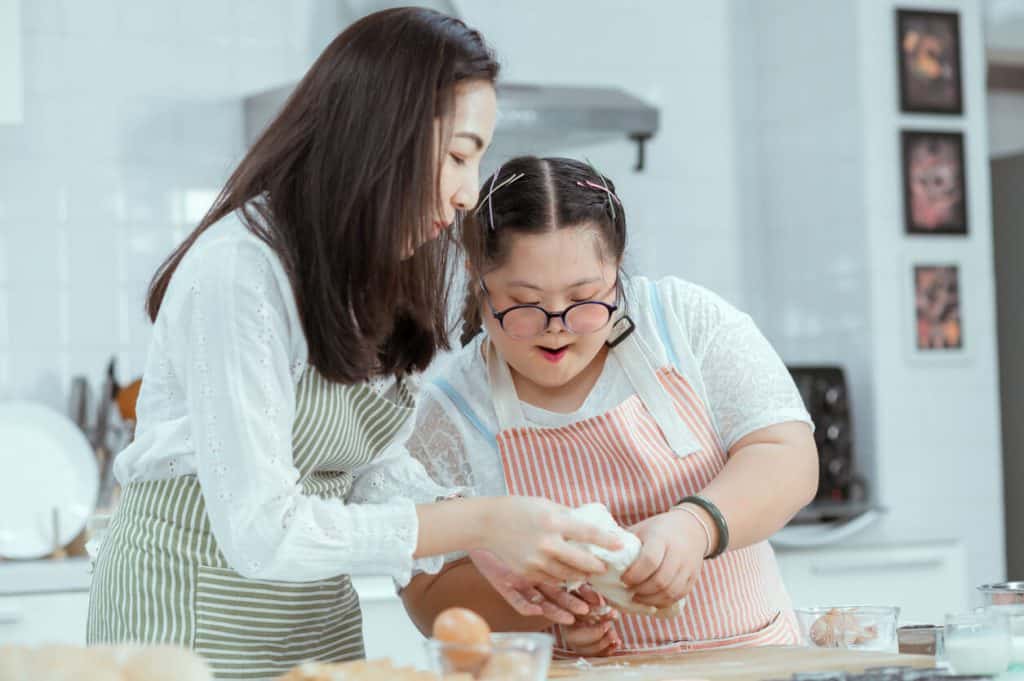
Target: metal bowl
[{"x": 1003, "y": 593}]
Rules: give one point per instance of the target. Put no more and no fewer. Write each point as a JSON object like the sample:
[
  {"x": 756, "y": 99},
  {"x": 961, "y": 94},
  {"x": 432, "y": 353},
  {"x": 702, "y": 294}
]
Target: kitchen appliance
[
  {"x": 841, "y": 507},
  {"x": 532, "y": 118}
]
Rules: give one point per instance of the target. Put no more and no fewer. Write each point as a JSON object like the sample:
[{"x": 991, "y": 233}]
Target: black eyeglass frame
[{"x": 500, "y": 315}]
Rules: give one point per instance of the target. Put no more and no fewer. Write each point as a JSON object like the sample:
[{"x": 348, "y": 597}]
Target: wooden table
[{"x": 738, "y": 664}]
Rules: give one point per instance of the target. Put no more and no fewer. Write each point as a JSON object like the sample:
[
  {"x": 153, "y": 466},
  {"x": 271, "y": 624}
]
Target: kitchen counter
[{"x": 736, "y": 664}]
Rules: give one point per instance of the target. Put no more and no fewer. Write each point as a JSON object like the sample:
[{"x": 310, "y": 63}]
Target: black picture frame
[
  {"x": 938, "y": 309},
  {"x": 934, "y": 183},
  {"x": 930, "y": 64}
]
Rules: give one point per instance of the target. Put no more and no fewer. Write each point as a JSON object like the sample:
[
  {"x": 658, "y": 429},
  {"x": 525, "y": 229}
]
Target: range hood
[{"x": 531, "y": 118}]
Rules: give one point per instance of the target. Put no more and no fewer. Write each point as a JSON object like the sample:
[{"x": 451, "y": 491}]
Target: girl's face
[
  {"x": 473, "y": 120},
  {"x": 553, "y": 270}
]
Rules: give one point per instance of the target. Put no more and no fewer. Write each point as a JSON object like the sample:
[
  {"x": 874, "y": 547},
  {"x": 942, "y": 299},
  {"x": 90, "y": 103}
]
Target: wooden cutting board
[{"x": 738, "y": 664}]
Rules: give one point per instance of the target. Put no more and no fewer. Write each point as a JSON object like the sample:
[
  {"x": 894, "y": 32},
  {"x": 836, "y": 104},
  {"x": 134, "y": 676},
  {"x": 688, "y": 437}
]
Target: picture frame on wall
[
  {"x": 928, "y": 43},
  {"x": 938, "y": 310},
  {"x": 934, "y": 182}
]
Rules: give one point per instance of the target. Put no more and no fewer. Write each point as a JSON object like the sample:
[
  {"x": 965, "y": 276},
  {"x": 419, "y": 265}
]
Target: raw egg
[{"x": 466, "y": 639}]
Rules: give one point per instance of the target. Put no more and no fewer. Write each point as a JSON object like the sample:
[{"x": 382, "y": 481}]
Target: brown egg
[{"x": 467, "y": 637}]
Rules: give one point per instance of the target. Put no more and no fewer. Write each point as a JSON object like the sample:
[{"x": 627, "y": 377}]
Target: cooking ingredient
[
  {"x": 978, "y": 652},
  {"x": 467, "y": 637},
  {"x": 839, "y": 629},
  {"x": 610, "y": 583}
]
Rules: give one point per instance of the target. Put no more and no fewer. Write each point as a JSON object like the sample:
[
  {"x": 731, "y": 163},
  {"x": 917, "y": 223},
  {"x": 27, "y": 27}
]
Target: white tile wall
[
  {"x": 829, "y": 262},
  {"x": 676, "y": 56},
  {"x": 132, "y": 122}
]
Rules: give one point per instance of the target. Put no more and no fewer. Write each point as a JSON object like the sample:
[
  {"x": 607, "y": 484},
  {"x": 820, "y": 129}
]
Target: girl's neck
[{"x": 566, "y": 398}]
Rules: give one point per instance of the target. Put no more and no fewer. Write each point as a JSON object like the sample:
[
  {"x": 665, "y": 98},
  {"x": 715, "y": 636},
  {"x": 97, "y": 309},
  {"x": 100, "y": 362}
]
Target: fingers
[
  {"x": 588, "y": 594},
  {"x": 667, "y": 572},
  {"x": 585, "y": 533},
  {"x": 577, "y": 559},
  {"x": 646, "y": 564},
  {"x": 520, "y": 602},
  {"x": 594, "y": 640},
  {"x": 565, "y": 600}
]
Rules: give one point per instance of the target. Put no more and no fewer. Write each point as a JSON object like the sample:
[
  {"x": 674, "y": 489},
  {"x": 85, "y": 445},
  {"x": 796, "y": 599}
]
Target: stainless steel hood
[{"x": 531, "y": 118}]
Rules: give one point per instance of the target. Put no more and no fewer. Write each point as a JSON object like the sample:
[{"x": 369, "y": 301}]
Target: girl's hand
[
  {"x": 593, "y": 636},
  {"x": 670, "y": 559},
  {"x": 527, "y": 598},
  {"x": 531, "y": 536}
]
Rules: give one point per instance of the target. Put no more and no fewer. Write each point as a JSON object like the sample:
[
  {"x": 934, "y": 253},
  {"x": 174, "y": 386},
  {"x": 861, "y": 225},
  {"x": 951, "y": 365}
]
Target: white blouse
[
  {"x": 229, "y": 329},
  {"x": 740, "y": 377}
]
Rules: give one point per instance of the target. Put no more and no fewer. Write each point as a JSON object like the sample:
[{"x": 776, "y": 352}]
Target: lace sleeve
[
  {"x": 438, "y": 444},
  {"x": 748, "y": 386}
]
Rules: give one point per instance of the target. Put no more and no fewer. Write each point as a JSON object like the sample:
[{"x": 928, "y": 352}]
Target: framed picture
[
  {"x": 929, "y": 48},
  {"x": 934, "y": 182},
  {"x": 938, "y": 316}
]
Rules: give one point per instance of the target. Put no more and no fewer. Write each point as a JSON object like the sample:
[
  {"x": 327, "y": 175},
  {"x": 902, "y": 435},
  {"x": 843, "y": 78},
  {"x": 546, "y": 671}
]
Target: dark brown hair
[
  {"x": 347, "y": 178},
  {"x": 553, "y": 193}
]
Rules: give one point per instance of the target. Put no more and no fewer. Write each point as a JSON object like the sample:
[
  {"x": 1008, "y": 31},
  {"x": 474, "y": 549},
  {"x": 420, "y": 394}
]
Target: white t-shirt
[
  {"x": 231, "y": 295},
  {"x": 723, "y": 355}
]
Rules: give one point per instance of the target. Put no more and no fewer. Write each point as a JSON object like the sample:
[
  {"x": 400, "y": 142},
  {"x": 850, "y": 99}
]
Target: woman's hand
[
  {"x": 670, "y": 560},
  {"x": 527, "y": 598},
  {"x": 531, "y": 537},
  {"x": 593, "y": 635}
]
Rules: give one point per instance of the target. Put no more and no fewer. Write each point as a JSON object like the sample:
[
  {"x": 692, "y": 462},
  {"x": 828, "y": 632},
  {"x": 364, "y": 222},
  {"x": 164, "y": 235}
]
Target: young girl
[
  {"x": 656, "y": 398},
  {"x": 275, "y": 395}
]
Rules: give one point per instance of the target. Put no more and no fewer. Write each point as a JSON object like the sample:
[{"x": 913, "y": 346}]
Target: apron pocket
[{"x": 246, "y": 626}]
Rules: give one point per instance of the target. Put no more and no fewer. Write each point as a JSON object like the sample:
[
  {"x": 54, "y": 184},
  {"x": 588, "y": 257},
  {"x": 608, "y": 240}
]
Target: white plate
[{"x": 46, "y": 463}]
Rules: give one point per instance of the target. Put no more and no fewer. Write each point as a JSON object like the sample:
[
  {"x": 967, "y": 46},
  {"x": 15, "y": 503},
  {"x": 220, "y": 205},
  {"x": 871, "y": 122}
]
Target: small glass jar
[{"x": 977, "y": 643}]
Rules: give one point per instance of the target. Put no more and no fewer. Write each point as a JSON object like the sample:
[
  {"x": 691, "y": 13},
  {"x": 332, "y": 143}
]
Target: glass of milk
[
  {"x": 978, "y": 643},
  {"x": 1014, "y": 614}
]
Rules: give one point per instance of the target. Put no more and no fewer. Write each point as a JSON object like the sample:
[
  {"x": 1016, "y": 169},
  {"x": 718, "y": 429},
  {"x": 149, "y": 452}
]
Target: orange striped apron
[{"x": 640, "y": 459}]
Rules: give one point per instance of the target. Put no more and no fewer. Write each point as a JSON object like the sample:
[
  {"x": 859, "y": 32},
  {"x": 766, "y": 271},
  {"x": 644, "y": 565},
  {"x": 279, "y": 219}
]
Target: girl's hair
[
  {"x": 549, "y": 194},
  {"x": 346, "y": 178}
]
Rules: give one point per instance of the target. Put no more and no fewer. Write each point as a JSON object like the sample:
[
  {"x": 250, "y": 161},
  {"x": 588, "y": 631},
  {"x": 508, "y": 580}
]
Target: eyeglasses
[{"x": 529, "y": 321}]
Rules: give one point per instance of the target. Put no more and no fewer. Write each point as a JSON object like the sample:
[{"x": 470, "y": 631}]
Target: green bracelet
[{"x": 716, "y": 515}]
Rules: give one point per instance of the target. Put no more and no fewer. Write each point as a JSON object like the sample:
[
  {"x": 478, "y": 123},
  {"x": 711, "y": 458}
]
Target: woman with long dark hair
[{"x": 276, "y": 394}]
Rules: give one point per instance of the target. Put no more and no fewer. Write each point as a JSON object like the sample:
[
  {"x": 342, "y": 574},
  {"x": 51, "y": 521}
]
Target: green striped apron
[{"x": 160, "y": 577}]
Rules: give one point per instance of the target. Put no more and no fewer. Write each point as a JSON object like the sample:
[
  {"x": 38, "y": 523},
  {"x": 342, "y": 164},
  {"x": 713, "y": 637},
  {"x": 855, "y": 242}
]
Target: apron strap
[
  {"x": 467, "y": 411},
  {"x": 639, "y": 363},
  {"x": 503, "y": 391}
]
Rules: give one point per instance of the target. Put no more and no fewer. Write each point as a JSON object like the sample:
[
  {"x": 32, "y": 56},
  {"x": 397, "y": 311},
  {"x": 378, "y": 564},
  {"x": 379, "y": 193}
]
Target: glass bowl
[
  {"x": 866, "y": 627},
  {"x": 511, "y": 656}
]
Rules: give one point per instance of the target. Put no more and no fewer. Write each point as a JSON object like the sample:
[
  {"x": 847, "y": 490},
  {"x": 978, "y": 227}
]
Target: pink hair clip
[{"x": 612, "y": 198}]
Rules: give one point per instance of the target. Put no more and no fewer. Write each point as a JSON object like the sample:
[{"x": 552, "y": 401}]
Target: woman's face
[
  {"x": 476, "y": 108},
  {"x": 553, "y": 270}
]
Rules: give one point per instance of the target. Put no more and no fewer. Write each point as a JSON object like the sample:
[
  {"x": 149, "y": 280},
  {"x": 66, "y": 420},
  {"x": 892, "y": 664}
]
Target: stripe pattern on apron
[
  {"x": 161, "y": 578},
  {"x": 620, "y": 458}
]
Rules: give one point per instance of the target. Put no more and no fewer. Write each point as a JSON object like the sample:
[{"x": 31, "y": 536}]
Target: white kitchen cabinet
[
  {"x": 925, "y": 581},
  {"x": 48, "y": 601},
  {"x": 44, "y": 618}
]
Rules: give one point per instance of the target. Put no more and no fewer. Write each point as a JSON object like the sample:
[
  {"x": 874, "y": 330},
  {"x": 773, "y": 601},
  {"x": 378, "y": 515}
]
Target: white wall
[
  {"x": 830, "y": 263},
  {"x": 937, "y": 423},
  {"x": 132, "y": 120},
  {"x": 11, "y": 95},
  {"x": 675, "y": 55},
  {"x": 1005, "y": 123}
]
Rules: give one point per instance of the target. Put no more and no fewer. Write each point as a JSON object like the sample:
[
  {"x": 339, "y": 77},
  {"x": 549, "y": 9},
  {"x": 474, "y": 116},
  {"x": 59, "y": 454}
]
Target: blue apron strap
[
  {"x": 460, "y": 403},
  {"x": 659, "y": 321}
]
